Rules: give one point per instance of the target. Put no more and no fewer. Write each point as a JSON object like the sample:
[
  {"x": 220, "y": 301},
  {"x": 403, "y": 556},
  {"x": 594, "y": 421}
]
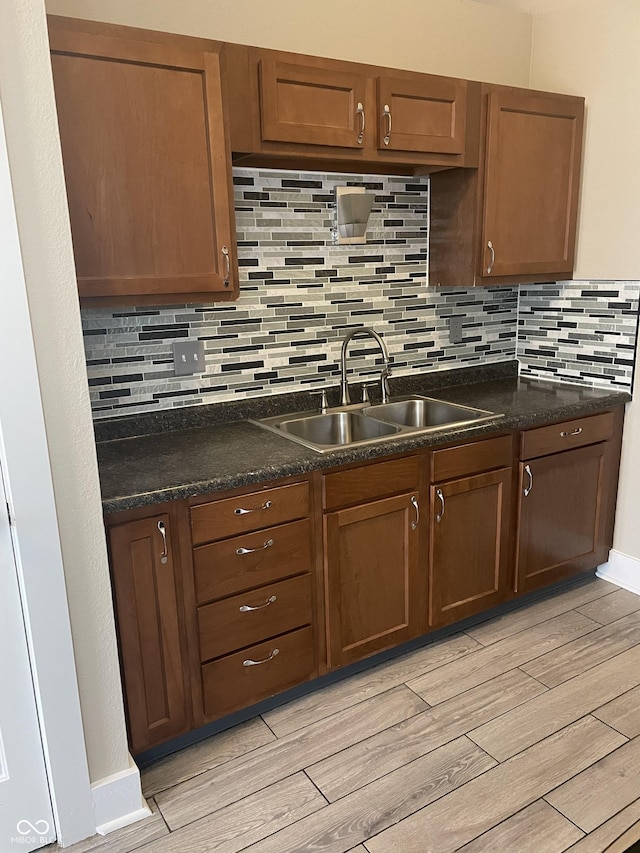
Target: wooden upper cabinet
[
  {"x": 287, "y": 108},
  {"x": 534, "y": 146},
  {"x": 514, "y": 219},
  {"x": 422, "y": 113},
  {"x": 310, "y": 104},
  {"x": 147, "y": 163}
]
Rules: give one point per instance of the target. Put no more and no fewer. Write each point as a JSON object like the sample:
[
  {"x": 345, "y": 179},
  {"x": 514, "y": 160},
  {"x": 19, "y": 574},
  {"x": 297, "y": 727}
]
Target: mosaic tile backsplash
[
  {"x": 579, "y": 331},
  {"x": 300, "y": 292}
]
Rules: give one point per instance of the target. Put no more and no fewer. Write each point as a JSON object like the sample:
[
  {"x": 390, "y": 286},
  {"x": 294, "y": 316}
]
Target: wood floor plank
[
  {"x": 611, "y": 607},
  {"x": 274, "y": 761},
  {"x": 322, "y": 703},
  {"x": 481, "y": 804},
  {"x": 599, "y": 792},
  {"x": 205, "y": 755},
  {"x": 125, "y": 840},
  {"x": 556, "y": 708},
  {"x": 410, "y": 739},
  {"x": 237, "y": 826},
  {"x": 350, "y": 821},
  {"x": 537, "y": 829},
  {"x": 557, "y": 666},
  {"x": 487, "y": 663},
  {"x": 607, "y": 835},
  {"x": 539, "y": 611},
  {"x": 623, "y": 713}
]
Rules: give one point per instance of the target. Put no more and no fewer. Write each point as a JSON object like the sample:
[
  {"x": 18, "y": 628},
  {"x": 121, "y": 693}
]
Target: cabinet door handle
[
  {"x": 528, "y": 489},
  {"x": 250, "y": 662},
  {"x": 266, "y": 545},
  {"x": 576, "y": 431},
  {"x": 360, "y": 113},
  {"x": 440, "y": 497},
  {"x": 240, "y": 511},
  {"x": 493, "y": 257},
  {"x": 163, "y": 532},
  {"x": 387, "y": 115},
  {"x": 414, "y": 503},
  {"x": 227, "y": 265},
  {"x": 247, "y": 608}
]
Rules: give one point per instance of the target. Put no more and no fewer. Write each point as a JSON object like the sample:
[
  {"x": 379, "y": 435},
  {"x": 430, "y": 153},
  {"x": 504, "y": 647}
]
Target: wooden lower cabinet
[
  {"x": 561, "y": 518},
  {"x": 154, "y": 664},
  {"x": 372, "y": 577},
  {"x": 223, "y": 603},
  {"x": 469, "y": 545}
]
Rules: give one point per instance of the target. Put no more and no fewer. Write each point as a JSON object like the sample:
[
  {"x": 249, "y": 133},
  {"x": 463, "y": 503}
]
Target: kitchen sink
[
  {"x": 335, "y": 429},
  {"x": 348, "y": 426},
  {"x": 425, "y": 413}
]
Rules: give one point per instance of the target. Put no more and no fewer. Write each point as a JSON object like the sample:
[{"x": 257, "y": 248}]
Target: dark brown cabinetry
[
  {"x": 254, "y": 596},
  {"x": 372, "y": 566},
  {"x": 147, "y": 163},
  {"x": 565, "y": 513},
  {"x": 345, "y": 115},
  {"x": 150, "y": 613},
  {"x": 469, "y": 529},
  {"x": 224, "y": 603},
  {"x": 515, "y": 218}
]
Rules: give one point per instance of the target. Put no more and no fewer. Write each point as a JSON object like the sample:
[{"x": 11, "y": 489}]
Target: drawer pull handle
[
  {"x": 250, "y": 662},
  {"x": 163, "y": 532},
  {"x": 528, "y": 489},
  {"x": 247, "y": 608},
  {"x": 387, "y": 115},
  {"x": 440, "y": 497},
  {"x": 360, "y": 113},
  {"x": 267, "y": 544},
  {"x": 576, "y": 431},
  {"x": 241, "y": 511},
  {"x": 414, "y": 504}
]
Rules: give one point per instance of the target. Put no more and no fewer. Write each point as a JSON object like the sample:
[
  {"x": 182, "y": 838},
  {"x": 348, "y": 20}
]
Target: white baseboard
[
  {"x": 118, "y": 800},
  {"x": 622, "y": 570}
]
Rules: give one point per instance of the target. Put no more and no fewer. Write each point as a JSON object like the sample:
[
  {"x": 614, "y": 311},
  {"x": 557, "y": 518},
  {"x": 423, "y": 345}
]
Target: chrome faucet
[{"x": 386, "y": 367}]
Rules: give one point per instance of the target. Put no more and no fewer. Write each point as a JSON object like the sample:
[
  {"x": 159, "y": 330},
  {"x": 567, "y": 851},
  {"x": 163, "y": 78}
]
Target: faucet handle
[
  {"x": 322, "y": 393},
  {"x": 365, "y": 398}
]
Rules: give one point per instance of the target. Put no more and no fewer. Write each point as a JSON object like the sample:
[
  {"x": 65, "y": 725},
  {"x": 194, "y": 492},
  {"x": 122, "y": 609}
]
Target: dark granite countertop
[{"x": 170, "y": 463}]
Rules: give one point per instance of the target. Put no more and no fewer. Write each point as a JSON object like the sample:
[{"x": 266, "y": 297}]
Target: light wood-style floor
[{"x": 520, "y": 735}]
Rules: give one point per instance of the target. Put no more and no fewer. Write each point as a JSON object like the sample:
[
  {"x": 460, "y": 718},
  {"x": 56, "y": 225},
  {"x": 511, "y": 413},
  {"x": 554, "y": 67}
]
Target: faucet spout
[{"x": 386, "y": 369}]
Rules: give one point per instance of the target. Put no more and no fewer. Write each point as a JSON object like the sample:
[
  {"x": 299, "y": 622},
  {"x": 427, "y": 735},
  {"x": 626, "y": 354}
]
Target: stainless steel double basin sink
[{"x": 348, "y": 426}]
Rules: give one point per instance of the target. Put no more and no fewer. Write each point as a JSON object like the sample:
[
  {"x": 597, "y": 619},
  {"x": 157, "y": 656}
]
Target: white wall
[
  {"x": 593, "y": 49},
  {"x": 35, "y": 163},
  {"x": 452, "y": 37}
]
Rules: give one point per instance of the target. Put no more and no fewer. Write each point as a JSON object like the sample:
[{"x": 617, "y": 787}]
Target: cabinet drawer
[
  {"x": 231, "y": 682},
  {"x": 220, "y": 570},
  {"x": 557, "y": 437},
  {"x": 470, "y": 458},
  {"x": 228, "y": 517},
  {"x": 370, "y": 481},
  {"x": 224, "y": 626}
]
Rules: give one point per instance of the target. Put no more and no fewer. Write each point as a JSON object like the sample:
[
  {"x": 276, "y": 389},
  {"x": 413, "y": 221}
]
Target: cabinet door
[
  {"x": 534, "y": 147},
  {"x": 422, "y": 113},
  {"x": 146, "y": 163},
  {"x": 311, "y": 104},
  {"x": 560, "y": 524},
  {"x": 152, "y": 659},
  {"x": 372, "y": 577},
  {"x": 469, "y": 545}
]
